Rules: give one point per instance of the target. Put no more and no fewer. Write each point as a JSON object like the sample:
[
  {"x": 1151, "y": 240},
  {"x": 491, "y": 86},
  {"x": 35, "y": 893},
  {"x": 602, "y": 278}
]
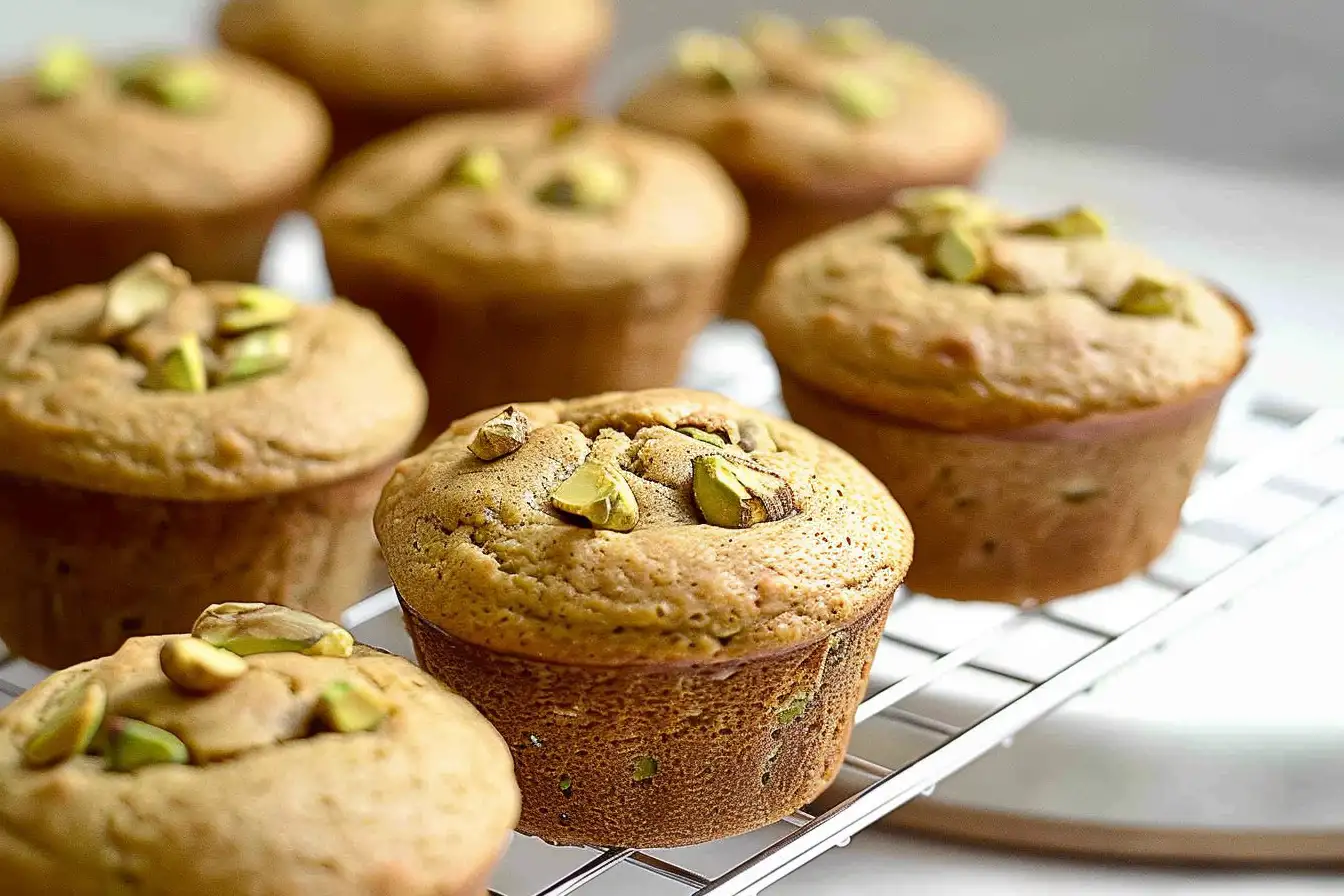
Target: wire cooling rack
[{"x": 1221, "y": 511}]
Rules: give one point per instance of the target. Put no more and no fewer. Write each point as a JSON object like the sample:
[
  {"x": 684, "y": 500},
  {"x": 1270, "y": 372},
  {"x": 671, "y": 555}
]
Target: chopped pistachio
[
  {"x": 62, "y": 72},
  {"x": 481, "y": 167},
  {"x": 794, "y": 708},
  {"x": 1148, "y": 296},
  {"x": 256, "y": 307},
  {"x": 132, "y": 744},
  {"x": 718, "y": 61},
  {"x": 850, "y": 36},
  {"x": 700, "y": 435},
  {"x": 247, "y": 629},
  {"x": 566, "y": 786},
  {"x": 960, "y": 255},
  {"x": 587, "y": 184},
  {"x": 736, "y": 496},
  {"x": 646, "y": 767},
  {"x": 69, "y": 727},
  {"x": 138, "y": 293},
  {"x": 565, "y": 126},
  {"x": 598, "y": 492},
  {"x": 502, "y": 434},
  {"x": 200, "y": 667},
  {"x": 755, "y": 437},
  {"x": 181, "y": 369},
  {"x": 860, "y": 96},
  {"x": 350, "y": 706},
  {"x": 177, "y": 84},
  {"x": 1073, "y": 223},
  {"x": 255, "y": 354}
]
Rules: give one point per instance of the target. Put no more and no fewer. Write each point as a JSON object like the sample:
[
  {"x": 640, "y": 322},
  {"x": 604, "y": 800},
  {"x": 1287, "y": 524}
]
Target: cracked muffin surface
[
  {"x": 481, "y": 549},
  {"x": 266, "y": 798}
]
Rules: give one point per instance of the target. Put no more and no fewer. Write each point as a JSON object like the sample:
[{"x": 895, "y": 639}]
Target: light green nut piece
[
  {"x": 247, "y": 629},
  {"x": 69, "y": 727},
  {"x": 700, "y": 435},
  {"x": 598, "y": 492},
  {"x": 138, "y": 293},
  {"x": 1149, "y": 297},
  {"x": 256, "y": 307},
  {"x": 62, "y": 72},
  {"x": 861, "y": 97},
  {"x": 132, "y": 745},
  {"x": 481, "y": 167},
  {"x": 794, "y": 708},
  {"x": 350, "y": 706},
  {"x": 502, "y": 434},
  {"x": 177, "y": 84},
  {"x": 181, "y": 369},
  {"x": 199, "y": 667},
  {"x": 960, "y": 255},
  {"x": 735, "y": 496},
  {"x": 587, "y": 184},
  {"x": 256, "y": 354}
]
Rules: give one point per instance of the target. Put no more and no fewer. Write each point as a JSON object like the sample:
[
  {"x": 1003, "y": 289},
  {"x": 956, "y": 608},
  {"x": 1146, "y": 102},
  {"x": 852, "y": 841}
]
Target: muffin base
[
  {"x": 84, "y": 570},
  {"x": 480, "y": 351},
  {"x": 1031, "y": 514},
  {"x": 727, "y": 761},
  {"x": 59, "y": 252}
]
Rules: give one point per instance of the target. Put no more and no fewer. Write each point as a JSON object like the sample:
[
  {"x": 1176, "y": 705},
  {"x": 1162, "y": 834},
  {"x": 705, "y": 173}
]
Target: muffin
[
  {"x": 192, "y": 155},
  {"x": 1037, "y": 395},
  {"x": 521, "y": 256},
  {"x": 379, "y": 67},
  {"x": 667, "y": 603},
  {"x": 308, "y": 765},
  {"x": 165, "y": 445},
  {"x": 8, "y": 263},
  {"x": 818, "y": 127}
]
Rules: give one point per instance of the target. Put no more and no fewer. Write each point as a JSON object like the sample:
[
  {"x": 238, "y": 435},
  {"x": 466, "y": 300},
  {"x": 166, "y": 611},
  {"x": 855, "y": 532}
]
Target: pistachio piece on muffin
[
  {"x": 379, "y": 67},
  {"x": 527, "y": 256},
  {"x": 1035, "y": 393},
  {"x": 191, "y": 154},
  {"x": 164, "y": 442},
  {"x": 292, "y": 773},
  {"x": 817, "y": 125},
  {"x": 673, "y": 632}
]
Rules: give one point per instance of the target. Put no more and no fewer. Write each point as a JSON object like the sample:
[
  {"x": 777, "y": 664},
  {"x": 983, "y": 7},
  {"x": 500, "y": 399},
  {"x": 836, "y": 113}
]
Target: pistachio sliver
[
  {"x": 1077, "y": 222},
  {"x": 735, "y": 496},
  {"x": 586, "y": 184},
  {"x": 646, "y": 768},
  {"x": 860, "y": 97},
  {"x": 138, "y": 293},
  {"x": 481, "y": 167},
  {"x": 132, "y": 745},
  {"x": 755, "y": 437},
  {"x": 176, "y": 84},
  {"x": 248, "y": 629},
  {"x": 1148, "y": 296},
  {"x": 255, "y": 354},
  {"x": 563, "y": 127},
  {"x": 598, "y": 492},
  {"x": 960, "y": 255},
  {"x": 69, "y": 727},
  {"x": 62, "y": 72},
  {"x": 199, "y": 667},
  {"x": 349, "y": 706},
  {"x": 718, "y": 61},
  {"x": 502, "y": 434},
  {"x": 256, "y": 307},
  {"x": 181, "y": 369},
  {"x": 701, "y": 435}
]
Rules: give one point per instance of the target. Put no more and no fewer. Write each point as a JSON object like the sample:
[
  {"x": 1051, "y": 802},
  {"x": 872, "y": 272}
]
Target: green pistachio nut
[
  {"x": 138, "y": 293},
  {"x": 566, "y": 786},
  {"x": 255, "y": 307},
  {"x": 69, "y": 726},
  {"x": 255, "y": 354},
  {"x": 181, "y": 85},
  {"x": 755, "y": 437},
  {"x": 598, "y": 492},
  {"x": 351, "y": 706},
  {"x": 1150, "y": 297},
  {"x": 248, "y": 629},
  {"x": 62, "y": 72},
  {"x": 199, "y": 667},
  {"x": 587, "y": 184},
  {"x": 700, "y": 435},
  {"x": 181, "y": 369},
  {"x": 502, "y": 434},
  {"x": 960, "y": 255},
  {"x": 480, "y": 167},
  {"x": 860, "y": 97},
  {"x": 1075, "y": 223},
  {"x": 794, "y": 708},
  {"x": 132, "y": 744},
  {"x": 850, "y": 36},
  {"x": 646, "y": 767},
  {"x": 718, "y": 61},
  {"x": 735, "y": 496}
]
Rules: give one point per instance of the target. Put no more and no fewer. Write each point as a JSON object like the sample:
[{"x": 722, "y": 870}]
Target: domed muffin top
[
  {"x": 653, "y": 527},
  {"x": 151, "y": 385}
]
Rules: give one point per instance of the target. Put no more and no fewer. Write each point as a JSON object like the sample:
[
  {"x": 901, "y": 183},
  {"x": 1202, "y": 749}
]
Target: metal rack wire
[{"x": 805, "y": 837}]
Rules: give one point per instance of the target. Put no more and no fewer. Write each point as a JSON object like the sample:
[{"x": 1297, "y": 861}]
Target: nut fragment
[
  {"x": 256, "y": 307},
  {"x": 794, "y": 708},
  {"x": 247, "y": 629},
  {"x": 350, "y": 706},
  {"x": 178, "y": 84},
  {"x": 481, "y": 167},
  {"x": 138, "y": 293},
  {"x": 564, "y": 127},
  {"x": 736, "y": 496},
  {"x": 755, "y": 437},
  {"x": 62, "y": 72},
  {"x": 598, "y": 492},
  {"x": 850, "y": 36},
  {"x": 200, "y": 667},
  {"x": 589, "y": 184},
  {"x": 860, "y": 96},
  {"x": 960, "y": 255},
  {"x": 701, "y": 435},
  {"x": 132, "y": 744},
  {"x": 1076, "y": 222},
  {"x": 1148, "y": 296},
  {"x": 646, "y": 767},
  {"x": 255, "y": 354},
  {"x": 718, "y": 61},
  {"x": 69, "y": 727},
  {"x": 502, "y": 434},
  {"x": 181, "y": 369}
]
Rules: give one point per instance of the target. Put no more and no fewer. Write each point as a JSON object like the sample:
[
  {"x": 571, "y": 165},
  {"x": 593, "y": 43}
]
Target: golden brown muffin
[
  {"x": 818, "y": 127},
  {"x": 667, "y": 603},
  {"x": 522, "y": 256},
  {"x": 192, "y": 155},
  {"x": 1036, "y": 395},
  {"x": 310, "y": 765},
  {"x": 380, "y": 66},
  {"x": 9, "y": 263},
  {"x": 164, "y": 445}
]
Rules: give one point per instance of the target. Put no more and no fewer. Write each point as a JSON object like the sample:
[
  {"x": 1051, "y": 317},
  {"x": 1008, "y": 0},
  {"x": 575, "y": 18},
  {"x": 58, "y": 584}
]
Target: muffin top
[
  {"x": 418, "y": 54},
  {"x": 8, "y": 262},
  {"x": 946, "y": 310},
  {"x": 642, "y": 528},
  {"x": 836, "y": 110},
  {"x": 310, "y": 765},
  {"x": 173, "y": 131},
  {"x": 531, "y": 201},
  {"x": 154, "y": 386}
]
